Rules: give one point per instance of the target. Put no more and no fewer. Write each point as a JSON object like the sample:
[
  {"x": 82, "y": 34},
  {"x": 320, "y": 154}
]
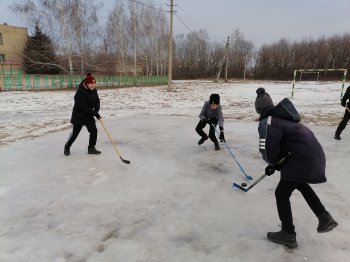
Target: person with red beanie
[{"x": 86, "y": 107}]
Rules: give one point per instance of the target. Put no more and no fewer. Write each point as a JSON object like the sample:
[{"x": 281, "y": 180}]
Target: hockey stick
[
  {"x": 252, "y": 185},
  {"x": 233, "y": 156},
  {"x": 347, "y": 109},
  {"x": 114, "y": 145},
  {"x": 260, "y": 178}
]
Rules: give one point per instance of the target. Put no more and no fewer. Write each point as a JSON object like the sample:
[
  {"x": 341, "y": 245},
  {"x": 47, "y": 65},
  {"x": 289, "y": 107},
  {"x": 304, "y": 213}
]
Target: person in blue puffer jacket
[{"x": 282, "y": 137}]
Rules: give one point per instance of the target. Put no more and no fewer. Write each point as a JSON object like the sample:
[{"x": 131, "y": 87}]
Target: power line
[
  {"x": 193, "y": 22},
  {"x": 149, "y": 6},
  {"x": 189, "y": 17},
  {"x": 183, "y": 22}
]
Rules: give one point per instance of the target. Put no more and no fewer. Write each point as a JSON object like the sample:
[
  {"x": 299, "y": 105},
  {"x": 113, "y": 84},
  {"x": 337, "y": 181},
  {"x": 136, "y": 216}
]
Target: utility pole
[
  {"x": 224, "y": 58},
  {"x": 135, "y": 36},
  {"x": 226, "y": 66},
  {"x": 170, "y": 53},
  {"x": 245, "y": 65}
]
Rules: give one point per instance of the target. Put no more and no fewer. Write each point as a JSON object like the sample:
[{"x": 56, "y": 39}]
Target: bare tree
[
  {"x": 84, "y": 21},
  {"x": 117, "y": 35},
  {"x": 152, "y": 28},
  {"x": 65, "y": 21},
  {"x": 191, "y": 54},
  {"x": 241, "y": 54}
]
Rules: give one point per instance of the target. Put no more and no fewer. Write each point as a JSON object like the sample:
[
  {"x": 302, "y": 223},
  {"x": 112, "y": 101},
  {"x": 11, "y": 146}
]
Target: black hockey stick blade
[
  {"x": 240, "y": 187},
  {"x": 124, "y": 160},
  {"x": 251, "y": 186}
]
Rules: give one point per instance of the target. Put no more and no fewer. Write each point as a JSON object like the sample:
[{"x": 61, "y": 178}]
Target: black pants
[
  {"x": 200, "y": 127},
  {"x": 343, "y": 123},
  {"x": 283, "y": 192},
  {"x": 92, "y": 129}
]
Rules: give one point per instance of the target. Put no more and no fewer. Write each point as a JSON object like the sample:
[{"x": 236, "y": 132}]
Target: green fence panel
[
  {"x": 75, "y": 80},
  {"x": 7, "y": 82},
  {"x": 37, "y": 82},
  {"x": 61, "y": 79},
  {"x": 28, "y": 82},
  {"x": 53, "y": 82},
  {"x": 17, "y": 81},
  {"x": 46, "y": 82}
]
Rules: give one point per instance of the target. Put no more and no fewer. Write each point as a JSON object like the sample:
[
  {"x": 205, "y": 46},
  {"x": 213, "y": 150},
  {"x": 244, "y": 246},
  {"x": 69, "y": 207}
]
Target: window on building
[
  {"x": 1, "y": 43},
  {"x": 2, "y": 58}
]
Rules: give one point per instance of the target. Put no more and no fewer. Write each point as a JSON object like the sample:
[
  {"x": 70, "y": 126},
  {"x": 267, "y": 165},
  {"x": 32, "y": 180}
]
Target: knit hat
[
  {"x": 214, "y": 99},
  {"x": 89, "y": 79},
  {"x": 263, "y": 101}
]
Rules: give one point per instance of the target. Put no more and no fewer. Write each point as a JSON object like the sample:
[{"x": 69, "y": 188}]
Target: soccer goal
[{"x": 317, "y": 72}]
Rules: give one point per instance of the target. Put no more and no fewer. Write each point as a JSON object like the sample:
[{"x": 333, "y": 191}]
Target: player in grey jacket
[{"x": 211, "y": 114}]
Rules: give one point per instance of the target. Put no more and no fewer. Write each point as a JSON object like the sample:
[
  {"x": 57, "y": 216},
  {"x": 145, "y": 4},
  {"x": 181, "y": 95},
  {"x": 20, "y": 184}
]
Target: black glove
[
  {"x": 213, "y": 121},
  {"x": 343, "y": 104},
  {"x": 222, "y": 136},
  {"x": 97, "y": 115},
  {"x": 269, "y": 170},
  {"x": 278, "y": 167},
  {"x": 282, "y": 160}
]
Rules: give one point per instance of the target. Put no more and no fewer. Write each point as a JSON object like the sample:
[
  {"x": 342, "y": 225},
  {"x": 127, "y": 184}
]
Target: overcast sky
[{"x": 261, "y": 21}]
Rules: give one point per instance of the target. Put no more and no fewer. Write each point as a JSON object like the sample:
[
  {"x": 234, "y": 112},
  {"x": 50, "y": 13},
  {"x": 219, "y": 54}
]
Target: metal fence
[{"x": 23, "y": 82}]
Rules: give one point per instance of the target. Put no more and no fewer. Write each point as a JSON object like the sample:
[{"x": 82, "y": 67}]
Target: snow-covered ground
[{"x": 174, "y": 202}]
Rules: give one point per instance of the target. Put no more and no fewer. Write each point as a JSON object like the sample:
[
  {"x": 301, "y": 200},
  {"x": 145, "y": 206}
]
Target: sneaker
[
  {"x": 336, "y": 136},
  {"x": 284, "y": 238},
  {"x": 201, "y": 141},
  {"x": 326, "y": 222},
  {"x": 66, "y": 150},
  {"x": 217, "y": 147},
  {"x": 93, "y": 151}
]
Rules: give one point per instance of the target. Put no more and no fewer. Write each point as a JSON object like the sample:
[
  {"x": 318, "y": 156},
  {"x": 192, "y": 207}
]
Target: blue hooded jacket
[{"x": 279, "y": 133}]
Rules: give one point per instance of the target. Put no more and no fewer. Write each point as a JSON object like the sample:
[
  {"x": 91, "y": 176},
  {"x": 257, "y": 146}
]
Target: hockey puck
[{"x": 244, "y": 184}]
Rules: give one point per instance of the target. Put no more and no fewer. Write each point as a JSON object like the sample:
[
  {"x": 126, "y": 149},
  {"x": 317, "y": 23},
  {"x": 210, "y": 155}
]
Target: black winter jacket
[
  {"x": 280, "y": 132},
  {"x": 345, "y": 97},
  {"x": 86, "y": 105}
]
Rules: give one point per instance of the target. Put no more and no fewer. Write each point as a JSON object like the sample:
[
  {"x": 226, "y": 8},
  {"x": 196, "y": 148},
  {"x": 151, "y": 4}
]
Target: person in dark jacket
[
  {"x": 211, "y": 114},
  {"x": 281, "y": 136},
  {"x": 346, "y": 116},
  {"x": 86, "y": 107}
]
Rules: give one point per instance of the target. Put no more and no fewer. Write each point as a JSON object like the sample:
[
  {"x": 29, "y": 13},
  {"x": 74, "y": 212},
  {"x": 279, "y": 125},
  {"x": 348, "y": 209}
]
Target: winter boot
[
  {"x": 201, "y": 141},
  {"x": 337, "y": 136},
  {"x": 93, "y": 151},
  {"x": 282, "y": 237},
  {"x": 326, "y": 222},
  {"x": 66, "y": 150},
  {"x": 217, "y": 147}
]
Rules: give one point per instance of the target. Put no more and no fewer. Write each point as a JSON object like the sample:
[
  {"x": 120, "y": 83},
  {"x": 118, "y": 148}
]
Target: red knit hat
[{"x": 89, "y": 79}]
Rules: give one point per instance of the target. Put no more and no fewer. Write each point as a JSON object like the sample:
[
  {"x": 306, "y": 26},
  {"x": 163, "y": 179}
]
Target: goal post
[{"x": 316, "y": 71}]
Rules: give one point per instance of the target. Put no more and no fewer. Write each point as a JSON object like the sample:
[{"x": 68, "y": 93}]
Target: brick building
[{"x": 12, "y": 43}]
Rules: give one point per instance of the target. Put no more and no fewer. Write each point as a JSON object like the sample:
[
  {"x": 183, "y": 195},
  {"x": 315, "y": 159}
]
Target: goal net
[{"x": 317, "y": 72}]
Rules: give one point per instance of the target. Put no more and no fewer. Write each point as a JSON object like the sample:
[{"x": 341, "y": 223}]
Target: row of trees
[
  {"x": 135, "y": 37},
  {"x": 278, "y": 60}
]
